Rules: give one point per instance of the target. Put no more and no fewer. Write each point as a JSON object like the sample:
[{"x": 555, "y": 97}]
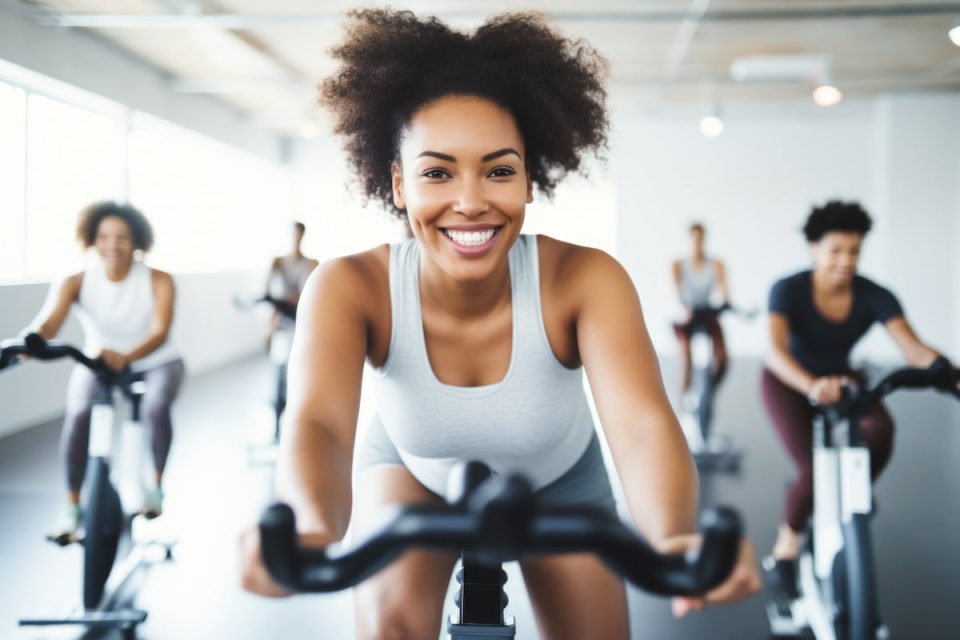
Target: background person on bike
[
  {"x": 288, "y": 274},
  {"x": 125, "y": 309},
  {"x": 698, "y": 279},
  {"x": 816, "y": 318},
  {"x": 479, "y": 335}
]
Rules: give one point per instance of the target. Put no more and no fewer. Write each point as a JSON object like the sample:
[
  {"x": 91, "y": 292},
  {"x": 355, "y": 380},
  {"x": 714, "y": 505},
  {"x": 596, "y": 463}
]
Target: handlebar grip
[
  {"x": 35, "y": 343},
  {"x": 279, "y": 545},
  {"x": 722, "y": 530}
]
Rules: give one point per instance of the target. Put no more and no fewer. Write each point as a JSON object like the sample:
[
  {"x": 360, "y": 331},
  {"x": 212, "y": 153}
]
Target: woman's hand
[
  {"x": 828, "y": 390},
  {"x": 116, "y": 361},
  {"x": 743, "y": 581},
  {"x": 254, "y": 576}
]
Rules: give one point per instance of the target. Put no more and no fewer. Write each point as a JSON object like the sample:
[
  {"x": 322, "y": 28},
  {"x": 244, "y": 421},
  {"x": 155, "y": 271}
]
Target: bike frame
[
  {"x": 837, "y": 575},
  {"x": 842, "y": 488},
  {"x": 107, "y": 527}
]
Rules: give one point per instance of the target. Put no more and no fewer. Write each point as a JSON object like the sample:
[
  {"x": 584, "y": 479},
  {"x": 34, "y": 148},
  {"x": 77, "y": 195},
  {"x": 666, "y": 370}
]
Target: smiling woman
[{"x": 479, "y": 334}]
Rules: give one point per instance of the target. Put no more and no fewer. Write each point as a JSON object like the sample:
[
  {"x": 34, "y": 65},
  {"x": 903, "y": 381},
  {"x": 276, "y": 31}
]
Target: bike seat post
[
  {"x": 135, "y": 391},
  {"x": 480, "y": 602}
]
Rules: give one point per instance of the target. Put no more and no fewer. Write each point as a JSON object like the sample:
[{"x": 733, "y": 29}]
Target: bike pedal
[{"x": 64, "y": 539}]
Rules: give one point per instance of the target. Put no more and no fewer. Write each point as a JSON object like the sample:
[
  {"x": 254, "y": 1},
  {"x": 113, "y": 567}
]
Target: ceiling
[{"x": 265, "y": 57}]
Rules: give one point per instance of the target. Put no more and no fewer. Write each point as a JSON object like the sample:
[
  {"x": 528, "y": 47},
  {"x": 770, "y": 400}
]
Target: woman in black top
[{"x": 816, "y": 317}]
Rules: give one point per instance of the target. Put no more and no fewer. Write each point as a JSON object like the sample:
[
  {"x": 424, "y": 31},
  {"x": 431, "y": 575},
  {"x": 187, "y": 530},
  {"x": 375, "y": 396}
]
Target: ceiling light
[
  {"x": 954, "y": 33},
  {"x": 711, "y": 126},
  {"x": 827, "y": 95}
]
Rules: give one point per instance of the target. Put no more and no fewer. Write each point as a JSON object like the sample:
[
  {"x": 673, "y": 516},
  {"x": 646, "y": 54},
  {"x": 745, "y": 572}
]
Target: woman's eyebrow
[
  {"x": 486, "y": 158},
  {"x": 500, "y": 153},
  {"x": 437, "y": 154}
]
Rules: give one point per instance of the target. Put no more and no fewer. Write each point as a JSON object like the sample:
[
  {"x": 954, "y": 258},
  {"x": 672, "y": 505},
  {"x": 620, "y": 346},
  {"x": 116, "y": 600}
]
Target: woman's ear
[
  {"x": 529, "y": 189},
  {"x": 396, "y": 176}
]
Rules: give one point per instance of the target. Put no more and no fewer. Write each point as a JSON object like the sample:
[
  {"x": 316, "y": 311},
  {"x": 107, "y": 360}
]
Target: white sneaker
[
  {"x": 68, "y": 524},
  {"x": 152, "y": 502}
]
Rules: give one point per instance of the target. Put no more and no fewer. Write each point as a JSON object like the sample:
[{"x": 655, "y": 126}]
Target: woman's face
[
  {"x": 696, "y": 239},
  {"x": 114, "y": 241},
  {"x": 463, "y": 182},
  {"x": 836, "y": 255}
]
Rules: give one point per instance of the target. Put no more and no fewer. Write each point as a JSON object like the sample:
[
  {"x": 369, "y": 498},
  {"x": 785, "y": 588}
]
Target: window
[
  {"x": 13, "y": 118},
  {"x": 74, "y": 157}
]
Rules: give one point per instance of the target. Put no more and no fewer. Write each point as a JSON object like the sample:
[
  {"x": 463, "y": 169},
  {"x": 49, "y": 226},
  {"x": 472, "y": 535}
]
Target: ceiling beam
[{"x": 248, "y": 22}]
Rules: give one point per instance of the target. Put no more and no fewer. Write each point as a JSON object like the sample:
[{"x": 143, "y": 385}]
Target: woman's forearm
[
  {"x": 314, "y": 478},
  {"x": 153, "y": 342},
  {"x": 659, "y": 481}
]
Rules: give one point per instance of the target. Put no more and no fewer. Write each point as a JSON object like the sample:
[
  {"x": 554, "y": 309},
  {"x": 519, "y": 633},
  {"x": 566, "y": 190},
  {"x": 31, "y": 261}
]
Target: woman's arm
[
  {"x": 678, "y": 282},
  {"x": 648, "y": 447},
  {"x": 315, "y": 457},
  {"x": 722, "y": 282},
  {"x": 164, "y": 293},
  {"x": 54, "y": 312},
  {"x": 323, "y": 398},
  {"x": 916, "y": 352}
]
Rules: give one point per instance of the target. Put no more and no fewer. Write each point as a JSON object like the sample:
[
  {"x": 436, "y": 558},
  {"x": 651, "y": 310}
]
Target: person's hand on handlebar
[
  {"x": 254, "y": 576},
  {"x": 744, "y": 580},
  {"x": 828, "y": 390},
  {"x": 116, "y": 361}
]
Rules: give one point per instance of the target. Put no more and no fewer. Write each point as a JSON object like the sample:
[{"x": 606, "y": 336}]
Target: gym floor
[{"x": 213, "y": 492}]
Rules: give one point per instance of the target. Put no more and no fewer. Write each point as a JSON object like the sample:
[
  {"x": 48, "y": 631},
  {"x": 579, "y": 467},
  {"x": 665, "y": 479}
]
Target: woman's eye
[
  {"x": 502, "y": 172},
  {"x": 435, "y": 174}
]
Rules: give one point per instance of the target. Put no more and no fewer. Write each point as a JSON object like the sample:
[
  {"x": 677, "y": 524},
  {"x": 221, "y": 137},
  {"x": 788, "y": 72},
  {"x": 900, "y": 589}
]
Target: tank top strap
[{"x": 525, "y": 294}]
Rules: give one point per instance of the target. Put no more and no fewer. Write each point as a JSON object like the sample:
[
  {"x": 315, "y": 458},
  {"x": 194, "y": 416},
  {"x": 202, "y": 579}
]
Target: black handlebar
[
  {"x": 499, "y": 522},
  {"x": 941, "y": 375},
  {"x": 700, "y": 315},
  {"x": 287, "y": 309},
  {"x": 35, "y": 346}
]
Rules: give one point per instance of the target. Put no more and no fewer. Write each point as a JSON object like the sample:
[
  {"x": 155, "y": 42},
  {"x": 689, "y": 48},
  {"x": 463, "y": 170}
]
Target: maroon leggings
[{"x": 792, "y": 415}]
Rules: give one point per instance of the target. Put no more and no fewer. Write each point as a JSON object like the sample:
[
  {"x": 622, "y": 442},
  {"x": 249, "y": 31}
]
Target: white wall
[
  {"x": 207, "y": 330},
  {"x": 754, "y": 185},
  {"x": 337, "y": 222},
  {"x": 918, "y": 193}
]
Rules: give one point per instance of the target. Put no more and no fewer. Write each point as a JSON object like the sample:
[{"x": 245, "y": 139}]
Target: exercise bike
[
  {"x": 837, "y": 581},
  {"x": 489, "y": 521},
  {"x": 710, "y": 451},
  {"x": 281, "y": 341},
  {"x": 111, "y": 559}
]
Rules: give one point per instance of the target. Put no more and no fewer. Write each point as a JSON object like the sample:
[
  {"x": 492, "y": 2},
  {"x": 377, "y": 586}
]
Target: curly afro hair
[
  {"x": 836, "y": 216},
  {"x": 393, "y": 63},
  {"x": 91, "y": 216}
]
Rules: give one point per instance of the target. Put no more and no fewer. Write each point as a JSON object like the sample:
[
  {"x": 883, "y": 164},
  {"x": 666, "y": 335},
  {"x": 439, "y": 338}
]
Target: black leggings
[{"x": 163, "y": 383}]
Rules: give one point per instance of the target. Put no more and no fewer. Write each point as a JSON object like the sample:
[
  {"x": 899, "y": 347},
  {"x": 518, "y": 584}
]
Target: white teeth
[{"x": 470, "y": 238}]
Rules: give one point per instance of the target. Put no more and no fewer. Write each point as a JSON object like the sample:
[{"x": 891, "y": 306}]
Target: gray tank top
[
  {"x": 535, "y": 420},
  {"x": 696, "y": 285}
]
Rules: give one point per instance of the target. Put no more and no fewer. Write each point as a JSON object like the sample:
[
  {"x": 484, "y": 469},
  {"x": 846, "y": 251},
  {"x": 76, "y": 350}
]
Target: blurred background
[{"x": 740, "y": 114}]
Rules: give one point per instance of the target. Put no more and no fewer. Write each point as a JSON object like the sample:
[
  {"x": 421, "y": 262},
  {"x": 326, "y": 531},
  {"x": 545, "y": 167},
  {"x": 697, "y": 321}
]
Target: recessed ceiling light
[
  {"x": 711, "y": 126},
  {"x": 954, "y": 34},
  {"x": 827, "y": 95}
]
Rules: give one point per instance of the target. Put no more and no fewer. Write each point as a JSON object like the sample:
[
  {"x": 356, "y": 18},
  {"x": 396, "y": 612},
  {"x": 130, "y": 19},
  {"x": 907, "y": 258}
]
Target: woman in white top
[
  {"x": 125, "y": 309},
  {"x": 697, "y": 279},
  {"x": 479, "y": 334}
]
